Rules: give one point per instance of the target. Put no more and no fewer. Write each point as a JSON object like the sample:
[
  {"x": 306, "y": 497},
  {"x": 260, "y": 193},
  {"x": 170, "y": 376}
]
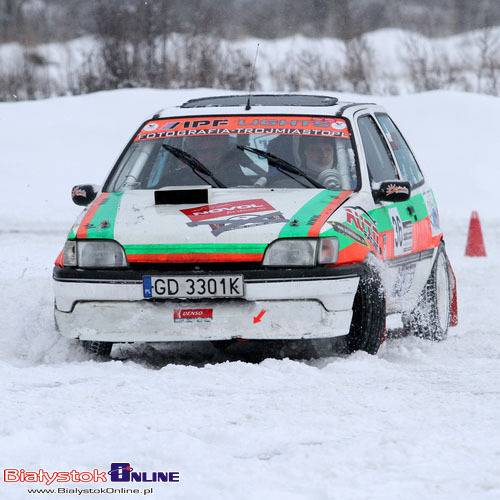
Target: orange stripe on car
[
  {"x": 326, "y": 212},
  {"x": 87, "y": 219},
  {"x": 60, "y": 259},
  {"x": 422, "y": 239},
  {"x": 422, "y": 235},
  {"x": 352, "y": 254}
]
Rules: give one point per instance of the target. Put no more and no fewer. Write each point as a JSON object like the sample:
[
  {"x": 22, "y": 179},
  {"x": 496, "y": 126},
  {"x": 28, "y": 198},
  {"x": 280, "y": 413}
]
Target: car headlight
[
  {"x": 301, "y": 252},
  {"x": 94, "y": 253},
  {"x": 69, "y": 253},
  {"x": 328, "y": 251}
]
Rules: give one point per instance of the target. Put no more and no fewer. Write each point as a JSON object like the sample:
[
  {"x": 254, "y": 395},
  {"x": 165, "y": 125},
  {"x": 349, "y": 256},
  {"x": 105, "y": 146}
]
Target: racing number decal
[
  {"x": 403, "y": 233},
  {"x": 398, "y": 230}
]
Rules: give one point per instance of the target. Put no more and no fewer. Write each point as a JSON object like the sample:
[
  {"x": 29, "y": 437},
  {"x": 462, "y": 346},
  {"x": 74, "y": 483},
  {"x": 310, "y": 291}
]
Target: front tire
[
  {"x": 97, "y": 348},
  {"x": 431, "y": 318},
  {"x": 368, "y": 319}
]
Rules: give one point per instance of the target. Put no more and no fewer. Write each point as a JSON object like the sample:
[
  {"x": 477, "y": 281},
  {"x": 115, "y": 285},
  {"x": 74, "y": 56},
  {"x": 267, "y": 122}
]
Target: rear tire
[
  {"x": 431, "y": 318},
  {"x": 97, "y": 348},
  {"x": 368, "y": 319}
]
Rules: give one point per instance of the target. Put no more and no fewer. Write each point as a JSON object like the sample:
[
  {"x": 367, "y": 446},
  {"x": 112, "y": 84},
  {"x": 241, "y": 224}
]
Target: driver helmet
[
  {"x": 209, "y": 149},
  {"x": 317, "y": 153}
]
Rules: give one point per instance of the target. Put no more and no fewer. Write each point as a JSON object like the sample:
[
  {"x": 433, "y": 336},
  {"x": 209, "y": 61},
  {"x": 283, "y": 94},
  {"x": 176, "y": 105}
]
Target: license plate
[{"x": 192, "y": 287}]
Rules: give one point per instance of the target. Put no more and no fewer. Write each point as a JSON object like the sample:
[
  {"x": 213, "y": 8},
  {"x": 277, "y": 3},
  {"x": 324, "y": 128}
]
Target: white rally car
[{"x": 275, "y": 217}]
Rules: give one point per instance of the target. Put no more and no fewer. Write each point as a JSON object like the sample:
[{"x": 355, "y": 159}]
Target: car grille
[{"x": 196, "y": 267}]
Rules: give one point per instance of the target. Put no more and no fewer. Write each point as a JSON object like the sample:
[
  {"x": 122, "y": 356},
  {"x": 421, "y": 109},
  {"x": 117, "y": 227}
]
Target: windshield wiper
[
  {"x": 195, "y": 165},
  {"x": 283, "y": 166}
]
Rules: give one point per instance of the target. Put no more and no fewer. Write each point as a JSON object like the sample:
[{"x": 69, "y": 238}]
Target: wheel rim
[{"x": 442, "y": 292}]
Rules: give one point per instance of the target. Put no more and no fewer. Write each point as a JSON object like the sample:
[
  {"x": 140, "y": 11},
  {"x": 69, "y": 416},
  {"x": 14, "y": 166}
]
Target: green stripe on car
[
  {"x": 195, "y": 248},
  {"x": 102, "y": 225},
  {"x": 299, "y": 224}
]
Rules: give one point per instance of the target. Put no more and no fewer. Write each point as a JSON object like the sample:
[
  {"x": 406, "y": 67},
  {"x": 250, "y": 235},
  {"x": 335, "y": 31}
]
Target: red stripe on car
[
  {"x": 196, "y": 257},
  {"x": 326, "y": 212},
  {"x": 87, "y": 219},
  {"x": 60, "y": 259}
]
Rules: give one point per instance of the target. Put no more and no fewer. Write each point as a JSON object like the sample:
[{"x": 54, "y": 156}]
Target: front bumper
[{"x": 278, "y": 309}]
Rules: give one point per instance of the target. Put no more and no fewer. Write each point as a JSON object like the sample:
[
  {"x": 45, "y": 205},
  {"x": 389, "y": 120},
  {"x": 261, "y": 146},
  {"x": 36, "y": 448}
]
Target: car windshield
[{"x": 279, "y": 151}]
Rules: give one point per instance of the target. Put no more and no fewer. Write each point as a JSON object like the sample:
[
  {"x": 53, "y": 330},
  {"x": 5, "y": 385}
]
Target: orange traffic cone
[{"x": 475, "y": 243}]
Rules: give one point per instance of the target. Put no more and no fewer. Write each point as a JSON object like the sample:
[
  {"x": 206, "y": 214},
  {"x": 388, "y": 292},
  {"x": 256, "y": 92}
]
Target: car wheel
[
  {"x": 431, "y": 318},
  {"x": 368, "y": 319},
  {"x": 98, "y": 348}
]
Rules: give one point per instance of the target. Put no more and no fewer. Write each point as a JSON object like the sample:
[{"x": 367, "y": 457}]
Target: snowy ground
[{"x": 419, "y": 421}]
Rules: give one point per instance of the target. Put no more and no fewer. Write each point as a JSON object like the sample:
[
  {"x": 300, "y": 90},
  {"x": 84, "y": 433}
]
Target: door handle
[{"x": 411, "y": 211}]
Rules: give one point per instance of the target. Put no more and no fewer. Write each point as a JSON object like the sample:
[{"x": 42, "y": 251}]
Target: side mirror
[
  {"x": 392, "y": 191},
  {"x": 84, "y": 194}
]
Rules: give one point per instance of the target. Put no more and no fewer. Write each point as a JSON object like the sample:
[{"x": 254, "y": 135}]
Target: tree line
[
  {"x": 40, "y": 21},
  {"x": 191, "y": 43}
]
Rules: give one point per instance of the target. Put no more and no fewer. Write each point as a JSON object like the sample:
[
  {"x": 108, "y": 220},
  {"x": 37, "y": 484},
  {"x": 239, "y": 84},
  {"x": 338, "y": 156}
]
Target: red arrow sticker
[{"x": 258, "y": 318}]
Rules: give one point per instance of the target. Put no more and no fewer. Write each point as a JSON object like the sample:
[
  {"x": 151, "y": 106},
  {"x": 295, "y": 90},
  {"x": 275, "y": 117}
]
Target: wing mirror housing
[
  {"x": 392, "y": 191},
  {"x": 84, "y": 194}
]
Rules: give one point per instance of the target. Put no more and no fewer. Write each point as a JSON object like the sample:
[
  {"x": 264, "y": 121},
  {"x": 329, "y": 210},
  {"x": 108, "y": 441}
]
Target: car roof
[
  {"x": 301, "y": 104},
  {"x": 262, "y": 100}
]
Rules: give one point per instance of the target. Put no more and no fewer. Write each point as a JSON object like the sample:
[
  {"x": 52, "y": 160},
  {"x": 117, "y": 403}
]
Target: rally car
[{"x": 269, "y": 217}]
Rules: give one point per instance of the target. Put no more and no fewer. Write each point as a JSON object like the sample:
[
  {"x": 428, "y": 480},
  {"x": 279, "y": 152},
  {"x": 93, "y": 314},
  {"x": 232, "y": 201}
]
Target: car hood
[{"x": 234, "y": 222}]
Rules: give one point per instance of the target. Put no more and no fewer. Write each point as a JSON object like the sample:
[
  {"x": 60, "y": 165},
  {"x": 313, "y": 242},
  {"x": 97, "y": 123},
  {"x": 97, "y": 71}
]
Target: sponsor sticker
[
  {"x": 228, "y": 209},
  {"x": 433, "y": 212},
  {"x": 393, "y": 188},
  {"x": 404, "y": 280},
  {"x": 76, "y": 191},
  {"x": 350, "y": 233},
  {"x": 362, "y": 222},
  {"x": 150, "y": 127},
  {"x": 193, "y": 315},
  {"x": 403, "y": 233},
  {"x": 281, "y": 124},
  {"x": 339, "y": 124},
  {"x": 220, "y": 226}
]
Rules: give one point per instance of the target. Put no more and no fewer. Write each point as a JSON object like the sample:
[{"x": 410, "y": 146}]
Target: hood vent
[{"x": 181, "y": 196}]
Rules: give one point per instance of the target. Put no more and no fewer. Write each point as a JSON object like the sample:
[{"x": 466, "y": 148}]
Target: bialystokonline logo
[{"x": 119, "y": 472}]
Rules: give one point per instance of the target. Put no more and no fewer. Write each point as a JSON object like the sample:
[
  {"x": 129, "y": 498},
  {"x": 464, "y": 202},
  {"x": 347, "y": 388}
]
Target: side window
[
  {"x": 378, "y": 157},
  {"x": 406, "y": 160}
]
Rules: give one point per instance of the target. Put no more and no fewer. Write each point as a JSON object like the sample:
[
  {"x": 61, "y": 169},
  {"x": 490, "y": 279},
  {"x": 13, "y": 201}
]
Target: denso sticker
[
  {"x": 193, "y": 315},
  {"x": 227, "y": 209}
]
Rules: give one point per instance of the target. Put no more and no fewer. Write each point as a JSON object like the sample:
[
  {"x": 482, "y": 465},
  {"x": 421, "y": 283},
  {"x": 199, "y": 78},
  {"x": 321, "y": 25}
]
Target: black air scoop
[{"x": 181, "y": 196}]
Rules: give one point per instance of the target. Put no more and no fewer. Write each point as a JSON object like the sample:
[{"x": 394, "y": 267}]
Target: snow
[{"x": 418, "y": 421}]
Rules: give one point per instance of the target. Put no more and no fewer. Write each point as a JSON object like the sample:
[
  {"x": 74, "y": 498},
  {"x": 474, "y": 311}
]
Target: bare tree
[
  {"x": 359, "y": 69},
  {"x": 307, "y": 70},
  {"x": 430, "y": 67},
  {"x": 487, "y": 62},
  {"x": 419, "y": 61},
  {"x": 29, "y": 79}
]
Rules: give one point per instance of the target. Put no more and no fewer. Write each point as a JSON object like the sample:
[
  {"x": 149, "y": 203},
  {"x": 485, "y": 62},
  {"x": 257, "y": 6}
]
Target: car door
[
  {"x": 426, "y": 227},
  {"x": 400, "y": 237}
]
